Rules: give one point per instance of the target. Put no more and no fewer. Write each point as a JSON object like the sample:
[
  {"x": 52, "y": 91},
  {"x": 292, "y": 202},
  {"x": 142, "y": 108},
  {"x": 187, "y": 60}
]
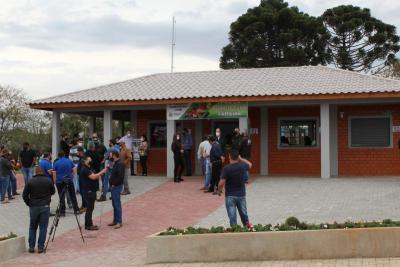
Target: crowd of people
[
  {"x": 77, "y": 170},
  {"x": 80, "y": 166}
]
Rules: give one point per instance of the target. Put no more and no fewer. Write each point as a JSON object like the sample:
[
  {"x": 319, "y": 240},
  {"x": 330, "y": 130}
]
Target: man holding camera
[
  {"x": 90, "y": 185},
  {"x": 64, "y": 169}
]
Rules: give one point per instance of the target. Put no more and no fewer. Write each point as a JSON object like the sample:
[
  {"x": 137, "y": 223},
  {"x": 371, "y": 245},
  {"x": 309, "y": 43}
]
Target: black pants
[
  {"x": 179, "y": 166},
  {"x": 143, "y": 162},
  {"x": 62, "y": 194},
  {"x": 188, "y": 162},
  {"x": 133, "y": 164},
  {"x": 90, "y": 197},
  {"x": 81, "y": 193},
  {"x": 215, "y": 174}
]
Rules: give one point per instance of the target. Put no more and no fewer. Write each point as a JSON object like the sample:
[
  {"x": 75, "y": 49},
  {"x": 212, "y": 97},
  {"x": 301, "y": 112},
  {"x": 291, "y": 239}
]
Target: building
[{"x": 303, "y": 121}]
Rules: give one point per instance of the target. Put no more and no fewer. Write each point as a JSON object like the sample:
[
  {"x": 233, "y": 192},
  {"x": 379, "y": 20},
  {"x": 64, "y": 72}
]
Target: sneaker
[
  {"x": 5, "y": 202},
  {"x": 112, "y": 224},
  {"x": 181, "y": 180},
  {"x": 125, "y": 193},
  {"x": 249, "y": 226},
  {"x": 31, "y": 250},
  {"x": 117, "y": 226},
  {"x": 40, "y": 250},
  {"x": 101, "y": 199},
  {"x": 92, "y": 228},
  {"x": 9, "y": 198}
]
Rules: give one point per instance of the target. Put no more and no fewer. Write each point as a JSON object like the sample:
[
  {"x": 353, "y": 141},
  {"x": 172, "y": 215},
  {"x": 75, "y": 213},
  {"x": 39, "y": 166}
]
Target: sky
[{"x": 51, "y": 47}]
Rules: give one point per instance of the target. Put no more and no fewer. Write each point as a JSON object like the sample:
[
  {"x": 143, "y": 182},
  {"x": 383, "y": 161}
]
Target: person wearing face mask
[
  {"x": 143, "y": 153},
  {"x": 178, "y": 151},
  {"x": 109, "y": 163},
  {"x": 64, "y": 145},
  {"x": 219, "y": 139},
  {"x": 128, "y": 140},
  {"x": 90, "y": 185}
]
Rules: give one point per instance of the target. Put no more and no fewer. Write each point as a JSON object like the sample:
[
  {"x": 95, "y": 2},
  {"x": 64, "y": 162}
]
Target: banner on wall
[{"x": 197, "y": 111}]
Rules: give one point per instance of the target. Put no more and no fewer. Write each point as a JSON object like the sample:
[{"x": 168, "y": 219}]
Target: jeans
[
  {"x": 76, "y": 180},
  {"x": 13, "y": 182},
  {"x": 39, "y": 217},
  {"x": 207, "y": 173},
  {"x": 126, "y": 183},
  {"x": 4, "y": 181},
  {"x": 232, "y": 203},
  {"x": 71, "y": 192},
  {"x": 105, "y": 182},
  {"x": 27, "y": 173},
  {"x": 116, "y": 203},
  {"x": 90, "y": 197},
  {"x": 188, "y": 161}
]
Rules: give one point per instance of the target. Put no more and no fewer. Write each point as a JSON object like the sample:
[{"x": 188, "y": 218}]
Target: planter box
[
  {"x": 288, "y": 245},
  {"x": 12, "y": 248}
]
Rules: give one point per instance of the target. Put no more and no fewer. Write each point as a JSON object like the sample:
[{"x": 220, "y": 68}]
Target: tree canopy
[
  {"x": 274, "y": 34},
  {"x": 358, "y": 41}
]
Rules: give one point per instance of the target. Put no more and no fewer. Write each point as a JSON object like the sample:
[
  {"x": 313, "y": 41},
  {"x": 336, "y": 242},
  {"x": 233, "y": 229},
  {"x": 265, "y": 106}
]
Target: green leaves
[{"x": 274, "y": 34}]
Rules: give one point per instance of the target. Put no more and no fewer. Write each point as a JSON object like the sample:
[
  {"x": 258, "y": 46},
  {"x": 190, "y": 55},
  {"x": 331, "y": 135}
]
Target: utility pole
[{"x": 173, "y": 44}]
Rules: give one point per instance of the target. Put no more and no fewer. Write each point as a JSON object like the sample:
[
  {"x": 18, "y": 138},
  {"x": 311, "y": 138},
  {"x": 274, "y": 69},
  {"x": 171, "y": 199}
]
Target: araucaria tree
[
  {"x": 358, "y": 41},
  {"x": 274, "y": 34}
]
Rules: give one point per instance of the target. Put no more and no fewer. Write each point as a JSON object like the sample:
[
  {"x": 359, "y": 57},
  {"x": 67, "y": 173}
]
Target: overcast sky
[{"x": 50, "y": 47}]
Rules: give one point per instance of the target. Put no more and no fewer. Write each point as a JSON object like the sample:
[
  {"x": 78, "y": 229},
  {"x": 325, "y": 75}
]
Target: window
[
  {"x": 298, "y": 133},
  {"x": 370, "y": 132},
  {"x": 158, "y": 134}
]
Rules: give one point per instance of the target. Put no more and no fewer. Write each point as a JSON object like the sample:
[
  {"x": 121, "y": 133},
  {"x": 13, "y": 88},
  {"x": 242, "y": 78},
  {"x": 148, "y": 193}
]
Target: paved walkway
[{"x": 157, "y": 203}]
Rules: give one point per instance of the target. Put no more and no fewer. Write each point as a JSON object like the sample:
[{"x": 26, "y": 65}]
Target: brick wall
[
  {"x": 291, "y": 161},
  {"x": 156, "y": 163},
  {"x": 367, "y": 161},
  {"x": 254, "y": 119}
]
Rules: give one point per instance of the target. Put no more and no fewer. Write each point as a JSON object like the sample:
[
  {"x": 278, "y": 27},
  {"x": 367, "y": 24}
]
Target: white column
[
  {"x": 325, "y": 141},
  {"x": 170, "y": 155},
  {"x": 107, "y": 126},
  {"x": 198, "y": 138},
  {"x": 243, "y": 124},
  {"x": 134, "y": 132},
  {"x": 334, "y": 140},
  {"x": 55, "y": 134},
  {"x": 92, "y": 125},
  {"x": 263, "y": 141}
]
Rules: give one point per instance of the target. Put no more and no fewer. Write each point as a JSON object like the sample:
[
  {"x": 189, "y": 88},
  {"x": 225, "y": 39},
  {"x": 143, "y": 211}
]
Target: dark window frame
[
  {"x": 149, "y": 123},
  {"x": 349, "y": 127},
  {"x": 299, "y": 119}
]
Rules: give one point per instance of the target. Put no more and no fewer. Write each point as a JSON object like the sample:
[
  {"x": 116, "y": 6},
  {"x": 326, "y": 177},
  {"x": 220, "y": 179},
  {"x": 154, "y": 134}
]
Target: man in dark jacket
[
  {"x": 116, "y": 184},
  {"x": 37, "y": 196},
  {"x": 5, "y": 173}
]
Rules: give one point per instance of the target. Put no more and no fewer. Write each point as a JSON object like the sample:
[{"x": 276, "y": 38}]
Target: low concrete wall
[
  {"x": 12, "y": 248},
  {"x": 289, "y": 245}
]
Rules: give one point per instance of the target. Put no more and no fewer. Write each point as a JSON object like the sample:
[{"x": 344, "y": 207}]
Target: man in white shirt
[
  {"x": 128, "y": 140},
  {"x": 203, "y": 154}
]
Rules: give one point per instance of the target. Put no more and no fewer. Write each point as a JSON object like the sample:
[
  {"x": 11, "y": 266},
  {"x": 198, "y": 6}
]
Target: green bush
[
  {"x": 8, "y": 236},
  {"x": 291, "y": 223}
]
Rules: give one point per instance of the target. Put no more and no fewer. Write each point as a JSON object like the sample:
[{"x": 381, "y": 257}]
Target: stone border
[
  {"x": 12, "y": 248},
  {"x": 284, "y": 245}
]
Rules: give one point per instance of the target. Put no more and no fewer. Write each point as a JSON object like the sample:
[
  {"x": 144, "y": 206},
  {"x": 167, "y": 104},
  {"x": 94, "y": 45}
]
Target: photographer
[
  {"x": 64, "y": 169},
  {"x": 90, "y": 185}
]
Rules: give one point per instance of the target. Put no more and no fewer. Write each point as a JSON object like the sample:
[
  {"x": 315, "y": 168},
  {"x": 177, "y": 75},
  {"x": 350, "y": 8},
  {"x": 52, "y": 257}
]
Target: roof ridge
[{"x": 365, "y": 75}]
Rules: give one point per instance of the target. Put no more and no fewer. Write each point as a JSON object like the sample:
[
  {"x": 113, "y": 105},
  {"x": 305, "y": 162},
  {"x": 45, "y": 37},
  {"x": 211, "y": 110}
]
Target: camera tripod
[{"x": 56, "y": 219}]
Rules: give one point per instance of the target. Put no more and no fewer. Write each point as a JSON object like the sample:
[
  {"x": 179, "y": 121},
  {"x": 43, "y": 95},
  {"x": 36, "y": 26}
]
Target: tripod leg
[
  {"x": 53, "y": 226},
  {"x": 79, "y": 226}
]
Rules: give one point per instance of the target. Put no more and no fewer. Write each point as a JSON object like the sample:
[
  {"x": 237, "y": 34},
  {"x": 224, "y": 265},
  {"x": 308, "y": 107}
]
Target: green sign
[{"x": 195, "y": 111}]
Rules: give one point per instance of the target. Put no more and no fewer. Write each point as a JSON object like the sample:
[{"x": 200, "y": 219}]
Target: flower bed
[
  {"x": 7, "y": 236},
  {"x": 291, "y": 224}
]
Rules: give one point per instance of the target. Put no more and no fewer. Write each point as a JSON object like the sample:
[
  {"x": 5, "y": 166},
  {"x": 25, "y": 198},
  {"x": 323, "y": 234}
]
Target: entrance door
[{"x": 227, "y": 128}]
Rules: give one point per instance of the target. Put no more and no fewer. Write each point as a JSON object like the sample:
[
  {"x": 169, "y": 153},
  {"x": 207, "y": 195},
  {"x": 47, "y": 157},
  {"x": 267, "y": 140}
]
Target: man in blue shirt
[
  {"x": 47, "y": 166},
  {"x": 216, "y": 159},
  {"x": 64, "y": 169},
  {"x": 232, "y": 179}
]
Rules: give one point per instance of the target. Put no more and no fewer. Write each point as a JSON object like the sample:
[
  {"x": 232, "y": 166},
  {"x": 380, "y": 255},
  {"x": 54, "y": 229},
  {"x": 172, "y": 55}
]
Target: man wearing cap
[{"x": 125, "y": 157}]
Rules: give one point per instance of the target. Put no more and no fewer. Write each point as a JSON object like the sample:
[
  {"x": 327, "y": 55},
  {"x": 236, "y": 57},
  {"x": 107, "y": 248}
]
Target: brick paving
[{"x": 270, "y": 200}]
